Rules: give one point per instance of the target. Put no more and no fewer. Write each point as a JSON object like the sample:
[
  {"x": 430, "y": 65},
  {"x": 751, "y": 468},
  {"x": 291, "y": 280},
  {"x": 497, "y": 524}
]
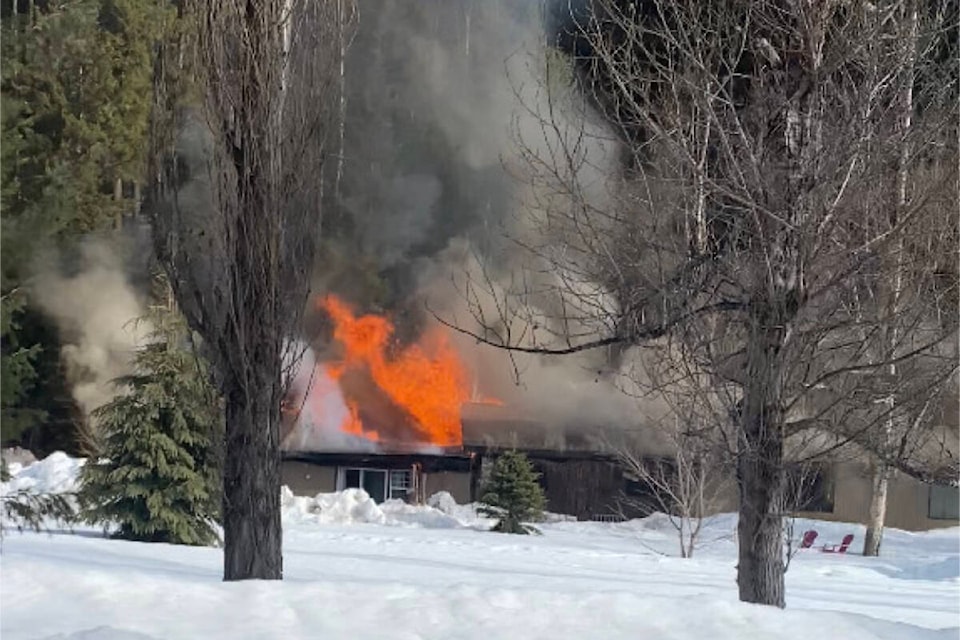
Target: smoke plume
[
  {"x": 442, "y": 98},
  {"x": 97, "y": 311}
]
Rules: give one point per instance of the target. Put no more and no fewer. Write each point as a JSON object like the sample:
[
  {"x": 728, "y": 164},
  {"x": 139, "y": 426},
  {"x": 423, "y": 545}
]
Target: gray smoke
[{"x": 443, "y": 96}]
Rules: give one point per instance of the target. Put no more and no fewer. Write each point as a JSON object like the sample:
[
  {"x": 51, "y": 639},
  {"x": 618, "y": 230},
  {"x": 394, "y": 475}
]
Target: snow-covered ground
[{"x": 361, "y": 571}]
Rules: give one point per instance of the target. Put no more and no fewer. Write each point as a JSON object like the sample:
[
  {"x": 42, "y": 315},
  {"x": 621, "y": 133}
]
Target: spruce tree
[
  {"x": 513, "y": 495},
  {"x": 158, "y": 478}
]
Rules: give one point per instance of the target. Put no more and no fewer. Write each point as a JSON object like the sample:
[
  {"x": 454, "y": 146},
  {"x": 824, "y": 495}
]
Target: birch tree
[{"x": 735, "y": 222}]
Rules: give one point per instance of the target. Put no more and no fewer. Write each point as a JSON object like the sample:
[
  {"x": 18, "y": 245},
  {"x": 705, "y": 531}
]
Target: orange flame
[{"x": 425, "y": 380}]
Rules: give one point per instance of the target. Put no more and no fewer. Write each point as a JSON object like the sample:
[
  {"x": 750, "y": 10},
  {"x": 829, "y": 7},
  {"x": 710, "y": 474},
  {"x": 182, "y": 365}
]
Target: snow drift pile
[
  {"x": 354, "y": 506},
  {"x": 57, "y": 473}
]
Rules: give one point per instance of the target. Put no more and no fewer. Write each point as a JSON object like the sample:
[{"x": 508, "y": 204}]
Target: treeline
[
  {"x": 77, "y": 112},
  {"x": 76, "y": 100}
]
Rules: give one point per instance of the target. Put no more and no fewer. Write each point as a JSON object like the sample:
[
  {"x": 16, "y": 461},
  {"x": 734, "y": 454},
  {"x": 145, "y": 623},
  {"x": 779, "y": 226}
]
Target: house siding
[
  {"x": 455, "y": 483},
  {"x": 907, "y": 500},
  {"x": 587, "y": 488},
  {"x": 306, "y": 479}
]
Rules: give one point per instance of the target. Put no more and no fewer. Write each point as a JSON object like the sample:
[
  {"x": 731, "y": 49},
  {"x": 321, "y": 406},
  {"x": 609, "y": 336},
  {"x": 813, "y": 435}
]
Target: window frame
[
  {"x": 391, "y": 491},
  {"x": 342, "y": 480},
  {"x": 399, "y": 491}
]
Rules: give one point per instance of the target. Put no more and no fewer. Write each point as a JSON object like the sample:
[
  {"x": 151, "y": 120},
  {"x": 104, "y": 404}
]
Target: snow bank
[
  {"x": 432, "y": 585},
  {"x": 345, "y": 507},
  {"x": 57, "y": 473},
  {"x": 466, "y": 514},
  {"x": 946, "y": 569},
  {"x": 355, "y": 569},
  {"x": 354, "y": 506}
]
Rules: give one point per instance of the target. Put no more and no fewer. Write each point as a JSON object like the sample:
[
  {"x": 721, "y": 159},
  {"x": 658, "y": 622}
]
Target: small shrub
[{"x": 513, "y": 495}]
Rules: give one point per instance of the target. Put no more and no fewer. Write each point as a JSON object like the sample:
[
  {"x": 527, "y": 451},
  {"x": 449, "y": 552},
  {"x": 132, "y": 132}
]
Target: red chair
[
  {"x": 839, "y": 548},
  {"x": 809, "y": 537}
]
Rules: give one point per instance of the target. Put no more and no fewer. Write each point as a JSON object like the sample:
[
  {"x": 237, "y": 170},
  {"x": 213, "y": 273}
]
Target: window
[
  {"x": 380, "y": 484},
  {"x": 808, "y": 487},
  {"x": 400, "y": 483},
  {"x": 373, "y": 481},
  {"x": 944, "y": 502}
]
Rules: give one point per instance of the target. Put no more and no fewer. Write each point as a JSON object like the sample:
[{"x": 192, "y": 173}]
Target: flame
[
  {"x": 425, "y": 381},
  {"x": 351, "y": 423}
]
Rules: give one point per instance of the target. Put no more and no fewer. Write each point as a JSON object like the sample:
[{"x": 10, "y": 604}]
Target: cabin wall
[
  {"x": 590, "y": 487},
  {"x": 908, "y": 500},
  {"x": 456, "y": 483},
  {"x": 307, "y": 479},
  {"x": 310, "y": 478},
  {"x": 582, "y": 488}
]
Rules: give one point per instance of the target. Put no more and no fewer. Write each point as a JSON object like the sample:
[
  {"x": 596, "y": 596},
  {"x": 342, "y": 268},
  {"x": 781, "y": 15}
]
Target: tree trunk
[
  {"x": 878, "y": 509},
  {"x": 251, "y": 489},
  {"x": 760, "y": 527},
  {"x": 890, "y": 332},
  {"x": 760, "y": 470},
  {"x": 118, "y": 198},
  {"x": 137, "y": 198}
]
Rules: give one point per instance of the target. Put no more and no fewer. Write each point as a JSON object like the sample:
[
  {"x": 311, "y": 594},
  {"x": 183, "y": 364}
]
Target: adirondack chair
[
  {"x": 839, "y": 548},
  {"x": 809, "y": 537}
]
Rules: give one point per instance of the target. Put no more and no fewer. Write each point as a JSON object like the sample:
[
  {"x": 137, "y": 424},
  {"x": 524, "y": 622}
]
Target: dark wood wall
[{"x": 585, "y": 488}]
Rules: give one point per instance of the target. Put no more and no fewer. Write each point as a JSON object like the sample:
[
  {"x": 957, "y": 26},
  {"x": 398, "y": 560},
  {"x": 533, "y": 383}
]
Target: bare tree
[
  {"x": 799, "y": 483},
  {"x": 239, "y": 247},
  {"x": 734, "y": 222},
  {"x": 686, "y": 485}
]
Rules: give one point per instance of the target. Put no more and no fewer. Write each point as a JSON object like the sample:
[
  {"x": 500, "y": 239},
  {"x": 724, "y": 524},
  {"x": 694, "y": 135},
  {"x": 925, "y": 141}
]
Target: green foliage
[
  {"x": 17, "y": 372},
  {"x": 159, "y": 476},
  {"x": 513, "y": 495},
  {"x": 25, "y": 509},
  {"x": 45, "y": 415}
]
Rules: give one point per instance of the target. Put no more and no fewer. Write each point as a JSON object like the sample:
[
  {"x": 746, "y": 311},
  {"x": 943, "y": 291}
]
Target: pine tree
[
  {"x": 513, "y": 494},
  {"x": 159, "y": 475}
]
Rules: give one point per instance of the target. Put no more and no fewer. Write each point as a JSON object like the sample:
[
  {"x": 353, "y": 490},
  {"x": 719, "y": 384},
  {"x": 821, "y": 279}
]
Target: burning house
[{"x": 407, "y": 422}]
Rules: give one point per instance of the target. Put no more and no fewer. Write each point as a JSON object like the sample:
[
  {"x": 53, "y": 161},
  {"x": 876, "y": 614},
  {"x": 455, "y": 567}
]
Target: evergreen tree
[
  {"x": 26, "y": 510},
  {"x": 17, "y": 371},
  {"x": 159, "y": 475},
  {"x": 513, "y": 494},
  {"x": 74, "y": 113}
]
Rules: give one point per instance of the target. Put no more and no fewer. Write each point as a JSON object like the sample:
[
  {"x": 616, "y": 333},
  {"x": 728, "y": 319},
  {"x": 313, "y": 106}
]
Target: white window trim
[{"x": 390, "y": 491}]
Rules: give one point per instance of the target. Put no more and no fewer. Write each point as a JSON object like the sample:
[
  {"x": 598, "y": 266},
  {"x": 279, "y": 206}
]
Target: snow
[
  {"x": 354, "y": 569},
  {"x": 354, "y": 506},
  {"x": 57, "y": 473}
]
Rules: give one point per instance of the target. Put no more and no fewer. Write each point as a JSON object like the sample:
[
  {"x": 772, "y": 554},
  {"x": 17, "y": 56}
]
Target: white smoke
[
  {"x": 317, "y": 409},
  {"x": 99, "y": 316}
]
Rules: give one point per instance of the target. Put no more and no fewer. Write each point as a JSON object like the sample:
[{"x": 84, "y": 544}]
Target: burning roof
[{"x": 372, "y": 394}]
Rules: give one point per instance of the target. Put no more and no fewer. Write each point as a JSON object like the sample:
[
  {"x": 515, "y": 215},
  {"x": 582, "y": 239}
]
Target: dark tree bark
[
  {"x": 238, "y": 237},
  {"x": 251, "y": 495},
  {"x": 760, "y": 468}
]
